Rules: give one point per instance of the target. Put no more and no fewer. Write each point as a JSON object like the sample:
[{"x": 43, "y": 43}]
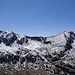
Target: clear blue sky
[{"x": 37, "y": 17}]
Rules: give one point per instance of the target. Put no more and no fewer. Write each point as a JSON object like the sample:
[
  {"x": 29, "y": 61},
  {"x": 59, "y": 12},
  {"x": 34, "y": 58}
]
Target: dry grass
[{"x": 22, "y": 71}]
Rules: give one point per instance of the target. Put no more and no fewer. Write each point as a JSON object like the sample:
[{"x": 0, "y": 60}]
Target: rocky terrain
[{"x": 24, "y": 55}]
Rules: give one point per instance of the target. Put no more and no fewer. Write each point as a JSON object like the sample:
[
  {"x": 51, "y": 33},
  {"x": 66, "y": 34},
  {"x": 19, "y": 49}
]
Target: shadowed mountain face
[{"x": 55, "y": 54}]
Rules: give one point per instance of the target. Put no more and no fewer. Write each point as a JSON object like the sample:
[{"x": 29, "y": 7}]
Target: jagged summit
[{"x": 55, "y": 54}]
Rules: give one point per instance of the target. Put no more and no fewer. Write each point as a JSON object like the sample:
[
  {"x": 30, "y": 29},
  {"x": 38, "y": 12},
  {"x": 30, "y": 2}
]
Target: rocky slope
[{"x": 54, "y": 54}]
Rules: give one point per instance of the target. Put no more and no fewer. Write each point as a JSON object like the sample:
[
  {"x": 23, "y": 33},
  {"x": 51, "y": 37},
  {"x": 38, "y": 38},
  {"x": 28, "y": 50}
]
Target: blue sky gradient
[{"x": 37, "y": 17}]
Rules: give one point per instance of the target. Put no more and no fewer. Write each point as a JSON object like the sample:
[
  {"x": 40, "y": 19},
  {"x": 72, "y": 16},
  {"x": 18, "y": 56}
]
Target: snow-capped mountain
[{"x": 55, "y": 53}]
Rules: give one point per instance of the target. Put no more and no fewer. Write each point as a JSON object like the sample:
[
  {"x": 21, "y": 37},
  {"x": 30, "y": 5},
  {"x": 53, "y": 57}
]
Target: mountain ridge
[{"x": 55, "y": 53}]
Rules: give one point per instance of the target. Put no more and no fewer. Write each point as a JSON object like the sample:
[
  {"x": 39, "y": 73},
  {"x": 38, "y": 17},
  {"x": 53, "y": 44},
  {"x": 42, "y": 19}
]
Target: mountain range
[{"x": 54, "y": 54}]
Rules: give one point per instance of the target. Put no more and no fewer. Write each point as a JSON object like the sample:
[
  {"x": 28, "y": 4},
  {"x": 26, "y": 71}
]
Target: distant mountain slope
[{"x": 55, "y": 53}]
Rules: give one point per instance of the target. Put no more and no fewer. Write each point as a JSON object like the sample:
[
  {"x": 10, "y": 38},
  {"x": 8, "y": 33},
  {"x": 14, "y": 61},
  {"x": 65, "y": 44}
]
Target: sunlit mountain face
[{"x": 21, "y": 54}]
